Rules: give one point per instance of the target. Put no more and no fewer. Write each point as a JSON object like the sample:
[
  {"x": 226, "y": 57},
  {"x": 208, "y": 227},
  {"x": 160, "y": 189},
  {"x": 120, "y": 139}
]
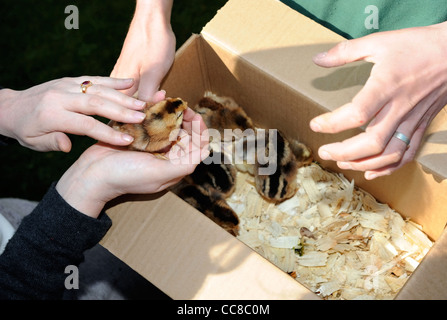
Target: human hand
[
  {"x": 104, "y": 172},
  {"x": 407, "y": 87},
  {"x": 40, "y": 117},
  {"x": 148, "y": 50}
]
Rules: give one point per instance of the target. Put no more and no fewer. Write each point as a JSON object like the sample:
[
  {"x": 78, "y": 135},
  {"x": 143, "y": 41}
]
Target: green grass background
[{"x": 35, "y": 47}]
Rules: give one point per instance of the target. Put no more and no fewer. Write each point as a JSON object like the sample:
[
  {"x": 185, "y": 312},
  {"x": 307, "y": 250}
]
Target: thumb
[
  {"x": 149, "y": 84},
  {"x": 57, "y": 141},
  {"x": 345, "y": 52}
]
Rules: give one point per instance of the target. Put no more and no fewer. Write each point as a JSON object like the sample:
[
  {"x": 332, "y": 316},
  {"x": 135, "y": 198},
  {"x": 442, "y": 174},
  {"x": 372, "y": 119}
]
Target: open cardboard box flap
[{"x": 260, "y": 53}]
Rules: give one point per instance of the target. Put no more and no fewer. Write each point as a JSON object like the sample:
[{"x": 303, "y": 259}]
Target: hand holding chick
[{"x": 159, "y": 130}]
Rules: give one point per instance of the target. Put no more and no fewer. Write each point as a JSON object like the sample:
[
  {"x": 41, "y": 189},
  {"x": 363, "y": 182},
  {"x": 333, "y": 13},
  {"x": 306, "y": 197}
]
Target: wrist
[
  {"x": 82, "y": 191},
  {"x": 442, "y": 27},
  {"x": 7, "y": 98},
  {"x": 150, "y": 14}
]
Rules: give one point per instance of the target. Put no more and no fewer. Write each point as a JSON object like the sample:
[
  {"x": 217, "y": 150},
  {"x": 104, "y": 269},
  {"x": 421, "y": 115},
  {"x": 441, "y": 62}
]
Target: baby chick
[
  {"x": 159, "y": 130},
  {"x": 303, "y": 153},
  {"x": 280, "y": 184},
  {"x": 212, "y": 204},
  {"x": 206, "y": 188},
  {"x": 215, "y": 172},
  {"x": 222, "y": 113}
]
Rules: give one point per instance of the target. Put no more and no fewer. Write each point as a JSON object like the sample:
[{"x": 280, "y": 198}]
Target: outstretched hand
[
  {"x": 406, "y": 89},
  {"x": 40, "y": 117}
]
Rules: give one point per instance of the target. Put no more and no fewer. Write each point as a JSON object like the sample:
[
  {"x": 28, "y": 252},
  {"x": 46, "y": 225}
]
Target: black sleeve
[{"x": 49, "y": 239}]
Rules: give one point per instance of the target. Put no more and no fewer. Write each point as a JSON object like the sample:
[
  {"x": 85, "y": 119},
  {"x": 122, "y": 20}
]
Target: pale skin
[
  {"x": 148, "y": 50},
  {"x": 52, "y": 109},
  {"x": 40, "y": 117},
  {"x": 104, "y": 172},
  {"x": 407, "y": 87}
]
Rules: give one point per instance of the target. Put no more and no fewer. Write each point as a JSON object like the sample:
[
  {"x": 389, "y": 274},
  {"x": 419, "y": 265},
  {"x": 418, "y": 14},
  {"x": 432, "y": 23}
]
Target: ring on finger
[
  {"x": 402, "y": 137},
  {"x": 85, "y": 85}
]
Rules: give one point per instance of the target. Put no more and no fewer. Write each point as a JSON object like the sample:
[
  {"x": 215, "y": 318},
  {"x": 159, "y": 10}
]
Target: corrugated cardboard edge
[{"x": 428, "y": 280}]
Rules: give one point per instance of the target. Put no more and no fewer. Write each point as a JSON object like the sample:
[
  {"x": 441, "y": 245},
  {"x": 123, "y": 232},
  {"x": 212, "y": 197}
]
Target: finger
[
  {"x": 392, "y": 154},
  {"x": 422, "y": 125},
  {"x": 114, "y": 83},
  {"x": 180, "y": 151},
  {"x": 53, "y": 141},
  {"x": 131, "y": 92},
  {"x": 159, "y": 96},
  {"x": 63, "y": 141},
  {"x": 195, "y": 126},
  {"x": 89, "y": 104},
  {"x": 376, "y": 136},
  {"x": 396, "y": 152},
  {"x": 407, "y": 157},
  {"x": 149, "y": 84},
  {"x": 116, "y": 96},
  {"x": 185, "y": 152},
  {"x": 346, "y": 52},
  {"x": 181, "y": 166},
  {"x": 364, "y": 106},
  {"x": 89, "y": 126}
]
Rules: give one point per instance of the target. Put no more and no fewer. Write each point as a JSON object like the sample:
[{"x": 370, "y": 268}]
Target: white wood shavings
[{"x": 338, "y": 240}]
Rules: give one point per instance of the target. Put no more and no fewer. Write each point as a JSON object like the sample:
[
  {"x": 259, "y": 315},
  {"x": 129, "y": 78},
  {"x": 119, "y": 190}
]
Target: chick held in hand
[{"x": 159, "y": 130}]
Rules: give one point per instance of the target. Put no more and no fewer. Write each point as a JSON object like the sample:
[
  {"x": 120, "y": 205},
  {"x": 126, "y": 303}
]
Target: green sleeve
[{"x": 357, "y": 18}]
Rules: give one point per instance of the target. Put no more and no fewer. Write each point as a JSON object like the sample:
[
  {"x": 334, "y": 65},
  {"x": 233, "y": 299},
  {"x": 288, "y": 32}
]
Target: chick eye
[{"x": 179, "y": 114}]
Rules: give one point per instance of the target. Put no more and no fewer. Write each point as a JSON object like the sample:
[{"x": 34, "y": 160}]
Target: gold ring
[{"x": 85, "y": 85}]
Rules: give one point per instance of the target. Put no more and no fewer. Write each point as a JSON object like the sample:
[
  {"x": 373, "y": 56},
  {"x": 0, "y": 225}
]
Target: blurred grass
[{"x": 35, "y": 47}]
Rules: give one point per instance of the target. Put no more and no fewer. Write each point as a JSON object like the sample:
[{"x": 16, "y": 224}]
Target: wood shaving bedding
[{"x": 334, "y": 238}]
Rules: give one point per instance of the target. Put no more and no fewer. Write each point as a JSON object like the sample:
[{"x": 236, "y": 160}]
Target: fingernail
[
  {"x": 315, "y": 126},
  {"x": 320, "y": 56},
  {"x": 139, "y": 103},
  {"x": 370, "y": 176},
  {"x": 324, "y": 155},
  {"x": 128, "y": 80},
  {"x": 139, "y": 116},
  {"x": 127, "y": 137}
]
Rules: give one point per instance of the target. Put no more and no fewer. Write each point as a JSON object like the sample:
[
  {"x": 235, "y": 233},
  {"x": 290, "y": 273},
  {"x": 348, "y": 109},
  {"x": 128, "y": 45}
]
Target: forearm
[
  {"x": 52, "y": 237},
  {"x": 153, "y": 12}
]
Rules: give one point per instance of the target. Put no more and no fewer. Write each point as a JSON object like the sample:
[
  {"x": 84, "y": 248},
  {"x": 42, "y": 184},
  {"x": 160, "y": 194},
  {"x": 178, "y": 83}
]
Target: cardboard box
[{"x": 259, "y": 52}]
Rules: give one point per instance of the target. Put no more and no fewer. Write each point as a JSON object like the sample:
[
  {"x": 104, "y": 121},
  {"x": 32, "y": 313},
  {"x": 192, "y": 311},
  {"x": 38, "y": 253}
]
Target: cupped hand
[
  {"x": 40, "y": 117},
  {"x": 104, "y": 172},
  {"x": 407, "y": 87}
]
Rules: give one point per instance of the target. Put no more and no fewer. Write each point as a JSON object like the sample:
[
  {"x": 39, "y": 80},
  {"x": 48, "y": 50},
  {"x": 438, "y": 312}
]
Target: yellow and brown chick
[{"x": 159, "y": 130}]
